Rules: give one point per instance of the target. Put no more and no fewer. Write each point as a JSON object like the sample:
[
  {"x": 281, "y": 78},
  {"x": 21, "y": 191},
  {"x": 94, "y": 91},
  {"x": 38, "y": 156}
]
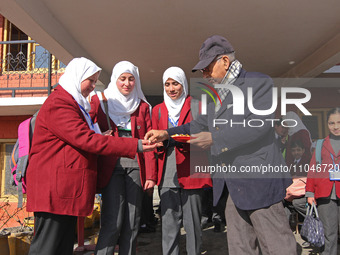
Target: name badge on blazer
[{"x": 334, "y": 173}]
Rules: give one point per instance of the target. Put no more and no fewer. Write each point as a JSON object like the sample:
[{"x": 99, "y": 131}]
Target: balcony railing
[{"x": 27, "y": 69}]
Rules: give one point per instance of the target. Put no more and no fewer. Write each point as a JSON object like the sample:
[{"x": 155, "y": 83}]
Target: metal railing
[{"x": 26, "y": 67}]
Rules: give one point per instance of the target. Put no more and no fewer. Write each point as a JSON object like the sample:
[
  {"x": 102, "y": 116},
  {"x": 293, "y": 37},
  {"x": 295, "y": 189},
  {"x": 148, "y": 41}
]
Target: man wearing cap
[{"x": 254, "y": 212}]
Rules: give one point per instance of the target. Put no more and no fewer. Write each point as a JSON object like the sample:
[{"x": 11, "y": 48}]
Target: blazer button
[
  {"x": 222, "y": 164},
  {"x": 138, "y": 127},
  {"x": 217, "y": 128}
]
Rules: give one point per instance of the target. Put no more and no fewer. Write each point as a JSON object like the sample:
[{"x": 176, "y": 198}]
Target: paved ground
[{"x": 213, "y": 243}]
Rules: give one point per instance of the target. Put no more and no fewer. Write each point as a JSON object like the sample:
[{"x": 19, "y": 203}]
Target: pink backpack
[{"x": 19, "y": 158}]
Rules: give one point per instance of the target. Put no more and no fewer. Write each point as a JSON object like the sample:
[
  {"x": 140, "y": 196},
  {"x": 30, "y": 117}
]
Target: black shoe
[
  {"x": 205, "y": 222},
  {"x": 153, "y": 222},
  {"x": 146, "y": 229},
  {"x": 217, "y": 227},
  {"x": 292, "y": 220}
]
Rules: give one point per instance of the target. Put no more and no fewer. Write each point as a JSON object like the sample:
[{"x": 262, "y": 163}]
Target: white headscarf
[
  {"x": 175, "y": 106},
  {"x": 120, "y": 106},
  {"x": 293, "y": 116},
  {"x": 78, "y": 70}
]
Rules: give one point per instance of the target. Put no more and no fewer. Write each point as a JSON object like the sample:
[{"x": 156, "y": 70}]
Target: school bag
[
  {"x": 19, "y": 156},
  {"x": 318, "y": 149}
]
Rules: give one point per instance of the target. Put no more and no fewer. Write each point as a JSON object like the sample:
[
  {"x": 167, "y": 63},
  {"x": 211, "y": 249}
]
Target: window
[
  {"x": 316, "y": 123},
  {"x": 15, "y": 54},
  {"x": 7, "y": 189},
  {"x": 41, "y": 56},
  {"x": 25, "y": 57}
]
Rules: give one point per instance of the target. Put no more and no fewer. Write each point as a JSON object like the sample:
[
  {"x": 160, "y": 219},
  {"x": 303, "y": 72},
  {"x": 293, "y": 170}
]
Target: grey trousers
[
  {"x": 120, "y": 213},
  {"x": 266, "y": 229},
  {"x": 329, "y": 213},
  {"x": 181, "y": 206},
  {"x": 299, "y": 204}
]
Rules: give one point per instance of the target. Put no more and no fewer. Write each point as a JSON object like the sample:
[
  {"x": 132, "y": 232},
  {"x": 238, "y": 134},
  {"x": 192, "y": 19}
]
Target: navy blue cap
[{"x": 213, "y": 46}]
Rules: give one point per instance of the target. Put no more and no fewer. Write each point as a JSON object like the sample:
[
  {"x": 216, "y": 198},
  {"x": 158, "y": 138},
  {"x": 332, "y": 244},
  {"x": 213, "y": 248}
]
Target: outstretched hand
[
  {"x": 149, "y": 147},
  {"x": 156, "y": 136},
  {"x": 202, "y": 140}
]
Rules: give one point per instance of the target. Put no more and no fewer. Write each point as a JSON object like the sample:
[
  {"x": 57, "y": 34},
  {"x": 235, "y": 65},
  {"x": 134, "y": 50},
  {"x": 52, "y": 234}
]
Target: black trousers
[{"x": 54, "y": 234}]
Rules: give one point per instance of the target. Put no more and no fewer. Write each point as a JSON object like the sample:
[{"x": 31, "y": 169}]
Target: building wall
[{"x": 9, "y": 126}]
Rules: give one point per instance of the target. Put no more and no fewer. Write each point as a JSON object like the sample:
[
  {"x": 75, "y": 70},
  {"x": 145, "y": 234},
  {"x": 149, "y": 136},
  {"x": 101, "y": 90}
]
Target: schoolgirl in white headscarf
[
  {"x": 78, "y": 70},
  {"x": 180, "y": 191},
  {"x": 125, "y": 178},
  {"x": 174, "y": 106},
  {"x": 121, "y": 106},
  {"x": 65, "y": 150}
]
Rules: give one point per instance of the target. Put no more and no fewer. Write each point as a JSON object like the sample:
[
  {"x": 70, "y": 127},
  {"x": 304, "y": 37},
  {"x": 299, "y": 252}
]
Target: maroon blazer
[
  {"x": 140, "y": 124},
  {"x": 319, "y": 183},
  {"x": 62, "y": 170},
  {"x": 185, "y": 179}
]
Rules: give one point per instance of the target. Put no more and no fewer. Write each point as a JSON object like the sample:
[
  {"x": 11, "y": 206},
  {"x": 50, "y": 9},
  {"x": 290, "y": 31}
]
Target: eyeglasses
[{"x": 207, "y": 69}]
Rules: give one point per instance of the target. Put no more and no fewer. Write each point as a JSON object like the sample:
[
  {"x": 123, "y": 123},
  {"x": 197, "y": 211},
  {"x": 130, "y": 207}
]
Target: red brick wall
[{"x": 26, "y": 80}]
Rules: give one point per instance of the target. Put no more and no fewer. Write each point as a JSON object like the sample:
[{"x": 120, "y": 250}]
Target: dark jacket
[{"x": 245, "y": 147}]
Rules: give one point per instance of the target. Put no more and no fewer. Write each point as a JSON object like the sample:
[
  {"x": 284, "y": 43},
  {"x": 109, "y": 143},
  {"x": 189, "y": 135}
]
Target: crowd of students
[
  {"x": 86, "y": 141},
  {"x": 314, "y": 181}
]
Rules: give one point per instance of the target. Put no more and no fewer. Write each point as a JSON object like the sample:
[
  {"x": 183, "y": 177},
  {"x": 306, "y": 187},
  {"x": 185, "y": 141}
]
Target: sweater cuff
[
  {"x": 309, "y": 194},
  {"x": 140, "y": 146}
]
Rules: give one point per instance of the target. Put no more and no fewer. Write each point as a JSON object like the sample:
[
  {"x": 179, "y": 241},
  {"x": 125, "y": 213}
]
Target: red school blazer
[
  {"x": 186, "y": 181},
  {"x": 62, "y": 171},
  {"x": 140, "y": 124},
  {"x": 318, "y": 182}
]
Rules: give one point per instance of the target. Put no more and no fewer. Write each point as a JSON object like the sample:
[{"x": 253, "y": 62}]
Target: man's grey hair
[{"x": 231, "y": 56}]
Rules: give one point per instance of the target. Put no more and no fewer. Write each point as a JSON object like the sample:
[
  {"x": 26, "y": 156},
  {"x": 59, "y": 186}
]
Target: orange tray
[{"x": 181, "y": 139}]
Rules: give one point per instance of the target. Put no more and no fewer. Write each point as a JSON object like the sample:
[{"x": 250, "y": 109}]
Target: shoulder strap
[
  {"x": 14, "y": 155},
  {"x": 318, "y": 148},
  {"x": 106, "y": 111}
]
